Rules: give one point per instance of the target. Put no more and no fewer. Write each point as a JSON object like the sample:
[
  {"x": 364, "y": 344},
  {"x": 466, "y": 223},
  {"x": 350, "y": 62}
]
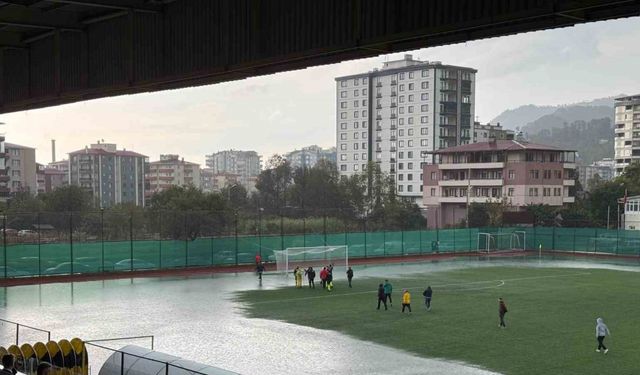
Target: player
[
  {"x": 388, "y": 289},
  {"x": 260, "y": 270},
  {"x": 382, "y": 297},
  {"x": 258, "y": 258},
  {"x": 349, "y": 276},
  {"x": 298, "y": 273},
  {"x": 311, "y": 275},
  {"x": 601, "y": 332},
  {"x": 323, "y": 277},
  {"x": 502, "y": 310},
  {"x": 406, "y": 300},
  {"x": 428, "y": 293},
  {"x": 330, "y": 278}
]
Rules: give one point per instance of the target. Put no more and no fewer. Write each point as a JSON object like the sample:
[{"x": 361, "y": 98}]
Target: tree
[
  {"x": 478, "y": 215},
  {"x": 273, "y": 183},
  {"x": 67, "y": 199}
]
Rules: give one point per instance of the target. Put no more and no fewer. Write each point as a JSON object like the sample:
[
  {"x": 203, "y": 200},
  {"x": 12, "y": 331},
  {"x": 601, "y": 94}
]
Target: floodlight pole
[
  {"x": 468, "y": 192},
  {"x": 608, "y": 215}
]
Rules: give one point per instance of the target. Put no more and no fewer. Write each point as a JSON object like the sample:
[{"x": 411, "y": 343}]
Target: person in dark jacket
[
  {"x": 349, "y": 276},
  {"x": 8, "y": 363},
  {"x": 311, "y": 275},
  {"x": 382, "y": 297},
  {"x": 428, "y": 293},
  {"x": 502, "y": 310},
  {"x": 330, "y": 278},
  {"x": 260, "y": 270}
]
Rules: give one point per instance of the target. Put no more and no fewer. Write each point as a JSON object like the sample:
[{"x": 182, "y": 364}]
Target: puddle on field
[{"x": 198, "y": 319}]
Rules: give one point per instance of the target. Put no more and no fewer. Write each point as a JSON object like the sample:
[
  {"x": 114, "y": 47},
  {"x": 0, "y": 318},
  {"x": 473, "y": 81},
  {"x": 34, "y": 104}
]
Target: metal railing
[
  {"x": 152, "y": 337},
  {"x": 18, "y": 325}
]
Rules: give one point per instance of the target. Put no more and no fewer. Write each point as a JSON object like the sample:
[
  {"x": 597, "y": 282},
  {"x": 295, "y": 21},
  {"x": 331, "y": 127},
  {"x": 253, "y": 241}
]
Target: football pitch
[{"x": 550, "y": 323}]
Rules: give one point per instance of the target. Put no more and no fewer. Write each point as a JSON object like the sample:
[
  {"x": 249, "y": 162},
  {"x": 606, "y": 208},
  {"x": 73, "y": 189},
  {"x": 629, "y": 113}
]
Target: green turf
[{"x": 550, "y": 324}]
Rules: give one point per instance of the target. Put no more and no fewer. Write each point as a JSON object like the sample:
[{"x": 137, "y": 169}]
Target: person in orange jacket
[{"x": 406, "y": 300}]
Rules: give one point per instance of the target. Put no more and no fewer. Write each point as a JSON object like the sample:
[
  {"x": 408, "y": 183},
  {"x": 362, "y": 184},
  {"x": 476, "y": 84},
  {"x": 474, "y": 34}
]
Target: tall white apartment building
[
  {"x": 627, "y": 115},
  {"x": 245, "y": 164},
  {"x": 394, "y": 115}
]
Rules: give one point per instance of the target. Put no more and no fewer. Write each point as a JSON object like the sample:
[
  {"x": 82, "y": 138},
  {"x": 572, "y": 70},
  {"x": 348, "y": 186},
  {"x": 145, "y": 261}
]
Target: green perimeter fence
[{"x": 119, "y": 245}]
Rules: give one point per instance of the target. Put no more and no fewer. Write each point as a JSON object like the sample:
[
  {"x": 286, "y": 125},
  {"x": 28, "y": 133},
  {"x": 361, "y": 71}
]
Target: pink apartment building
[{"x": 520, "y": 173}]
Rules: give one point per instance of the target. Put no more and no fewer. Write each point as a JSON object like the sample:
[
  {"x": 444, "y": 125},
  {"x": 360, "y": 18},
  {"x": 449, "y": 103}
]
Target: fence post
[
  {"x": 324, "y": 226},
  {"x": 236, "y": 234},
  {"x": 186, "y": 241},
  {"x": 260, "y": 231},
  {"x": 102, "y": 235},
  {"x": 553, "y": 239},
  {"x": 4, "y": 242},
  {"x": 121, "y": 363},
  {"x": 281, "y": 230},
  {"x": 39, "y": 248},
  {"x": 71, "y": 239},
  {"x": 304, "y": 230},
  {"x": 131, "y": 239},
  {"x": 574, "y": 239},
  {"x": 17, "y": 333},
  {"x": 364, "y": 224},
  {"x": 160, "y": 239}
]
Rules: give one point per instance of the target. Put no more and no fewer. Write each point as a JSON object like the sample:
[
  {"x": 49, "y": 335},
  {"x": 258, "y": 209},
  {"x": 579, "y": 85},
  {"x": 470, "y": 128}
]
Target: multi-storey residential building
[
  {"x": 488, "y": 132},
  {"x": 5, "y": 190},
  {"x": 518, "y": 173},
  {"x": 627, "y": 130},
  {"x": 50, "y": 179},
  {"x": 396, "y": 115},
  {"x": 245, "y": 164},
  {"x": 206, "y": 180},
  {"x": 62, "y": 165},
  {"x": 169, "y": 171},
  {"x": 21, "y": 168},
  {"x": 605, "y": 169},
  {"x": 309, "y": 156},
  {"x": 112, "y": 176}
]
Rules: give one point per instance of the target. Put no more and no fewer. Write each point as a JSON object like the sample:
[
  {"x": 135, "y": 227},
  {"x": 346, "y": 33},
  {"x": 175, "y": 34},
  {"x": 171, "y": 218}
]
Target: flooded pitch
[{"x": 199, "y": 319}]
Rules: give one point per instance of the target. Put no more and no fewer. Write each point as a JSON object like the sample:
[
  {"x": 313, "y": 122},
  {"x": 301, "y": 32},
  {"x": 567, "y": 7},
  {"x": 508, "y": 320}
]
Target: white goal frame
[
  {"x": 290, "y": 252},
  {"x": 484, "y": 238}
]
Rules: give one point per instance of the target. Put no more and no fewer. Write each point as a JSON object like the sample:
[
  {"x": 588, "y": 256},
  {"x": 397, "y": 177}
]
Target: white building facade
[
  {"x": 308, "y": 157},
  {"x": 245, "y": 164},
  {"x": 627, "y": 129},
  {"x": 394, "y": 115}
]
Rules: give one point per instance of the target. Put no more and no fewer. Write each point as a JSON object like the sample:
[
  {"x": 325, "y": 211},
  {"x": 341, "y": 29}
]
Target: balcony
[
  {"x": 378, "y": 117},
  {"x": 393, "y": 149},
  {"x": 378, "y": 149},
  {"x": 378, "y": 95},
  {"x": 378, "y": 106},
  {"x": 394, "y": 138},
  {"x": 393, "y": 93},
  {"x": 379, "y": 84},
  {"x": 379, "y": 128},
  {"x": 393, "y": 105},
  {"x": 445, "y": 135},
  {"x": 392, "y": 160},
  {"x": 569, "y": 183},
  {"x": 394, "y": 82},
  {"x": 568, "y": 199},
  {"x": 473, "y": 182},
  {"x": 5, "y": 178},
  {"x": 378, "y": 139},
  {"x": 393, "y": 115},
  {"x": 465, "y": 166},
  {"x": 394, "y": 127}
]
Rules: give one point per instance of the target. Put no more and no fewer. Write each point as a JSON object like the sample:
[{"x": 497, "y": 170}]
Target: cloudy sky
[{"x": 278, "y": 113}]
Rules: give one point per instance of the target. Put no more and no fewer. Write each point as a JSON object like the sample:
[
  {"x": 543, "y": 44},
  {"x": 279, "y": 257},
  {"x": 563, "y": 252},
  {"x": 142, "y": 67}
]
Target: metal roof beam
[
  {"x": 35, "y": 19},
  {"x": 140, "y": 6}
]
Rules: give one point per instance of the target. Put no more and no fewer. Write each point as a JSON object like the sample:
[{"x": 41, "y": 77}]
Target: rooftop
[
  {"x": 99, "y": 151},
  {"x": 499, "y": 145},
  {"x": 13, "y": 145},
  {"x": 626, "y": 98}
]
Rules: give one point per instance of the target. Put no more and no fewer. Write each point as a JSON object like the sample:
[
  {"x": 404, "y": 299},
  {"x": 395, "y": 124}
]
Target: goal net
[
  {"x": 289, "y": 258},
  {"x": 494, "y": 242}
]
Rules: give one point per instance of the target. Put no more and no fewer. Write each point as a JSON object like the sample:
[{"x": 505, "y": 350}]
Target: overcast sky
[{"x": 278, "y": 113}]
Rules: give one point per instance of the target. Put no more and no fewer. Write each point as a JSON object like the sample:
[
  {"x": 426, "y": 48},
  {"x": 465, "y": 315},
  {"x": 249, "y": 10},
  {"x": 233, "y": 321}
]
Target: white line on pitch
[{"x": 502, "y": 281}]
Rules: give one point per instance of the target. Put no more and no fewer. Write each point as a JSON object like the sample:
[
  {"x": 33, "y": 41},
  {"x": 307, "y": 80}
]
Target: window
[
  {"x": 533, "y": 192},
  {"x": 364, "y": 145},
  {"x": 402, "y": 87},
  {"x": 434, "y": 176},
  {"x": 356, "y": 167},
  {"x": 355, "y": 82},
  {"x": 400, "y": 133},
  {"x": 424, "y": 96},
  {"x": 343, "y": 83},
  {"x": 355, "y": 125},
  {"x": 400, "y": 167},
  {"x": 401, "y": 110},
  {"x": 356, "y": 135},
  {"x": 510, "y": 192},
  {"x": 423, "y": 142},
  {"x": 364, "y": 81},
  {"x": 364, "y": 102},
  {"x": 425, "y": 73},
  {"x": 410, "y": 121},
  {"x": 364, "y": 156},
  {"x": 343, "y": 167},
  {"x": 424, "y": 131},
  {"x": 409, "y": 166},
  {"x": 425, "y": 85},
  {"x": 343, "y": 146},
  {"x": 343, "y": 125},
  {"x": 411, "y": 86},
  {"x": 410, "y": 143},
  {"x": 409, "y": 188},
  {"x": 401, "y": 75},
  {"x": 343, "y": 115},
  {"x": 411, "y": 98},
  {"x": 410, "y": 75},
  {"x": 433, "y": 192},
  {"x": 410, "y": 109},
  {"x": 343, "y": 104},
  {"x": 15, "y": 163},
  {"x": 410, "y": 132},
  {"x": 364, "y": 124},
  {"x": 401, "y": 143},
  {"x": 355, "y": 114},
  {"x": 355, "y": 156},
  {"x": 401, "y": 121},
  {"x": 355, "y": 103},
  {"x": 424, "y": 108},
  {"x": 356, "y": 93},
  {"x": 410, "y": 177},
  {"x": 343, "y": 136},
  {"x": 546, "y": 174},
  {"x": 364, "y": 92},
  {"x": 512, "y": 174},
  {"x": 343, "y": 157},
  {"x": 558, "y": 174},
  {"x": 533, "y": 174},
  {"x": 364, "y": 113},
  {"x": 364, "y": 135},
  {"x": 410, "y": 154},
  {"x": 400, "y": 177},
  {"x": 400, "y": 188}
]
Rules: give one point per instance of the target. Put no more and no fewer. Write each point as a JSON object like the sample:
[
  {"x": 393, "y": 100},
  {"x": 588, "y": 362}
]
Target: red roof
[
  {"x": 498, "y": 145},
  {"x": 99, "y": 151}
]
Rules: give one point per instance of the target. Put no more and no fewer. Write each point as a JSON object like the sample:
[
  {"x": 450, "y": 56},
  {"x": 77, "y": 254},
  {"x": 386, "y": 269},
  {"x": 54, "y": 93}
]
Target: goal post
[
  {"x": 494, "y": 242},
  {"x": 314, "y": 256}
]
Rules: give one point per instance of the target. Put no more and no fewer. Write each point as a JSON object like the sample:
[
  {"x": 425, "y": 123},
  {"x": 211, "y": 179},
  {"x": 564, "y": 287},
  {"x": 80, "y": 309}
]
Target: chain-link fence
[{"x": 35, "y": 244}]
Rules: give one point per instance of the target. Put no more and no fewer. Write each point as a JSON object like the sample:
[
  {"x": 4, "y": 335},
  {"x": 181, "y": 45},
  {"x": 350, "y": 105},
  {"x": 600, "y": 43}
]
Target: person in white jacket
[{"x": 601, "y": 332}]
